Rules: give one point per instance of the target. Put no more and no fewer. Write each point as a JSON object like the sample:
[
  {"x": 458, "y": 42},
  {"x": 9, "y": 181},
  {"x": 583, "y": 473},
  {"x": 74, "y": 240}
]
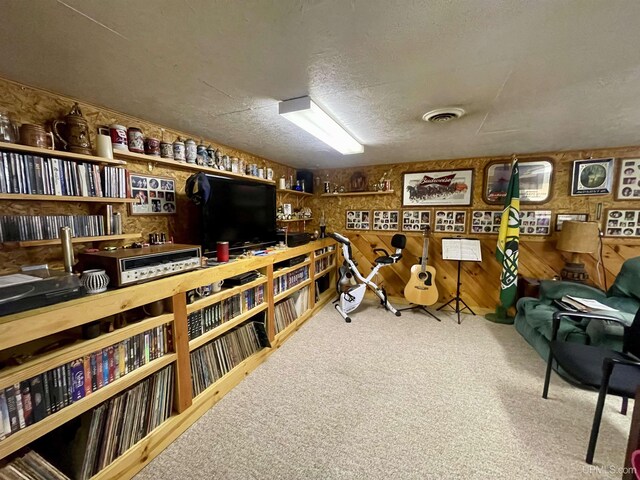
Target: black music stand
[{"x": 460, "y": 250}]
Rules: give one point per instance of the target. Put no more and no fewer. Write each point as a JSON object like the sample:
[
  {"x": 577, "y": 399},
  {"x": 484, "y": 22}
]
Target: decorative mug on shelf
[
  {"x": 8, "y": 129},
  {"x": 216, "y": 286},
  {"x": 190, "y": 151},
  {"x": 94, "y": 281},
  {"x": 35, "y": 135},
  {"x": 76, "y": 132},
  {"x": 118, "y": 136},
  {"x": 103, "y": 143},
  {"x": 178, "y": 150},
  {"x": 166, "y": 150},
  {"x": 136, "y": 140},
  {"x": 152, "y": 146}
]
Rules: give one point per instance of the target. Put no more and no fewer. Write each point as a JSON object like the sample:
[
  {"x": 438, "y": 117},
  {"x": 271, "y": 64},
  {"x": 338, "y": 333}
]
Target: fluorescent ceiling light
[{"x": 310, "y": 117}]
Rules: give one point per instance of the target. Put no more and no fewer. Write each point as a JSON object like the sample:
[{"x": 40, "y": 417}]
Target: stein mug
[
  {"x": 216, "y": 286},
  {"x": 36, "y": 136},
  {"x": 154, "y": 309},
  {"x": 118, "y": 136},
  {"x": 136, "y": 140},
  {"x": 166, "y": 150}
]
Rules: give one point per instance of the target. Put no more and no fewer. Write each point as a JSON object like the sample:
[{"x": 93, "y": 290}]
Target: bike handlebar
[{"x": 339, "y": 238}]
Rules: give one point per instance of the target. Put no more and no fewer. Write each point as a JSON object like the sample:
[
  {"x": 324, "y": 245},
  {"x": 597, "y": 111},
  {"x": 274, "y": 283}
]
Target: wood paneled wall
[
  {"x": 480, "y": 281},
  {"x": 31, "y": 105}
]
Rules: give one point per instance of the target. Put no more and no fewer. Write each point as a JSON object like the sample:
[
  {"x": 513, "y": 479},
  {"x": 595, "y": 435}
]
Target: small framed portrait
[
  {"x": 535, "y": 181},
  {"x": 592, "y": 177},
  {"x": 622, "y": 223},
  {"x": 386, "y": 220},
  {"x": 535, "y": 222},
  {"x": 628, "y": 185},
  {"x": 450, "y": 221},
  {"x": 357, "y": 220},
  {"x": 451, "y": 187},
  {"x": 486, "y": 221},
  {"x": 563, "y": 217},
  {"x": 155, "y": 195},
  {"x": 415, "y": 220}
]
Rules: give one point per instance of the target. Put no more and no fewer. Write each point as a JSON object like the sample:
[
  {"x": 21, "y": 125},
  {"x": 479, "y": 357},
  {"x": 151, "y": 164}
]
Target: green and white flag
[{"x": 509, "y": 240}]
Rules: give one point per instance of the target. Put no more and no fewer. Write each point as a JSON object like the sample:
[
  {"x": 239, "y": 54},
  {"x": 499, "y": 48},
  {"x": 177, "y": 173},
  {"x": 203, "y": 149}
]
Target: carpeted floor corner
[{"x": 402, "y": 398}]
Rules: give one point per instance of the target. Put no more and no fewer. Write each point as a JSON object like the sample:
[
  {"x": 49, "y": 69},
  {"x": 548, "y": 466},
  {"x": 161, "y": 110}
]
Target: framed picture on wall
[
  {"x": 535, "y": 181},
  {"x": 592, "y": 177},
  {"x": 357, "y": 220},
  {"x": 628, "y": 185},
  {"x": 486, "y": 221},
  {"x": 535, "y": 222},
  {"x": 449, "y": 187},
  {"x": 563, "y": 217},
  {"x": 416, "y": 220},
  {"x": 622, "y": 223},
  {"x": 385, "y": 220},
  {"x": 156, "y": 195},
  {"x": 450, "y": 221}
]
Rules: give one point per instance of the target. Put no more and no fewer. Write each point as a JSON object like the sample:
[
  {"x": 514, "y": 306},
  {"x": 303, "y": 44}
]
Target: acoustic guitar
[{"x": 421, "y": 288}]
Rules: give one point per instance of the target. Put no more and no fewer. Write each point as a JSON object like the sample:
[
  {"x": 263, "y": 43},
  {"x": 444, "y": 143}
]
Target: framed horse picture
[{"x": 441, "y": 188}]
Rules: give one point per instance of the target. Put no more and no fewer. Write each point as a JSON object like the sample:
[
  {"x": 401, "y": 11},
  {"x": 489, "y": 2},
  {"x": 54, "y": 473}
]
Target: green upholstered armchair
[{"x": 534, "y": 316}]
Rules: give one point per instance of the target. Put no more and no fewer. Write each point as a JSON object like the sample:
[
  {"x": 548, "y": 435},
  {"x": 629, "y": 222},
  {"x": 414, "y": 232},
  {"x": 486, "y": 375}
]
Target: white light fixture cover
[{"x": 310, "y": 117}]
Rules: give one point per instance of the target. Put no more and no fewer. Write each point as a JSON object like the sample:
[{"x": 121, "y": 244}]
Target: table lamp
[{"x": 576, "y": 238}]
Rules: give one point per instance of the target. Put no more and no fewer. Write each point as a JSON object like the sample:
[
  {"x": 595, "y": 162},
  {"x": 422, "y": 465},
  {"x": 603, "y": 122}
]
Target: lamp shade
[{"x": 578, "y": 237}]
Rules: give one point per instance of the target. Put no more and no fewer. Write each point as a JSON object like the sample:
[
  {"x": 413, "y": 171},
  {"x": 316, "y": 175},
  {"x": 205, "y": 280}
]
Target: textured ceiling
[{"x": 533, "y": 76}]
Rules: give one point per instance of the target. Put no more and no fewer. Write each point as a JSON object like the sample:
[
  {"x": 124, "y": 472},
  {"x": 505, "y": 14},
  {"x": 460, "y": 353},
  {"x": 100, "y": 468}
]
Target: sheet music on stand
[{"x": 461, "y": 249}]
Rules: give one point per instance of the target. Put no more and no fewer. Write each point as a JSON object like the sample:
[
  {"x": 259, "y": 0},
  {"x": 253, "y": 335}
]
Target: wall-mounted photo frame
[
  {"x": 156, "y": 195},
  {"x": 386, "y": 220},
  {"x": 358, "y": 220},
  {"x": 441, "y": 188},
  {"x": 628, "y": 184},
  {"x": 563, "y": 217},
  {"x": 622, "y": 223},
  {"x": 535, "y": 222},
  {"x": 535, "y": 181},
  {"x": 592, "y": 177},
  {"x": 415, "y": 220},
  {"x": 450, "y": 221},
  {"x": 486, "y": 221}
]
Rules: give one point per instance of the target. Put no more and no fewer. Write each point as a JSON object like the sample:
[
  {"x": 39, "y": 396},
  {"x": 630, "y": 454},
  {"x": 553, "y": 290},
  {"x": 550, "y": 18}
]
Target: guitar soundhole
[{"x": 422, "y": 276}]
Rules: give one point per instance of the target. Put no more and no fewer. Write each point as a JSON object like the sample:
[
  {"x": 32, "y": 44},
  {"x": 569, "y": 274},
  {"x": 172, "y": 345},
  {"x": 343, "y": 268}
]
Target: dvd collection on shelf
[
  {"x": 213, "y": 360},
  {"x": 36, "y": 175},
  {"x": 34, "y": 399},
  {"x": 290, "y": 279},
  {"x": 323, "y": 263},
  {"x": 27, "y": 464},
  {"x": 210, "y": 317},
  {"x": 20, "y": 228},
  {"x": 103, "y": 434},
  {"x": 288, "y": 310}
]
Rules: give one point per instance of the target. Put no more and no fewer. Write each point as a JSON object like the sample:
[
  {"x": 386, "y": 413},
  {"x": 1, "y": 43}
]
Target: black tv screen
[{"x": 240, "y": 212}]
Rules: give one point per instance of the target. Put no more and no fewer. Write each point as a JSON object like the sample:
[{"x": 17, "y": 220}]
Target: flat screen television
[{"x": 240, "y": 212}]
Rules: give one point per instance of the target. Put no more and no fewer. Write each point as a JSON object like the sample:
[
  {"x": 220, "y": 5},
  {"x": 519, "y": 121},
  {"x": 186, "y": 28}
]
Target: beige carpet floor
[{"x": 401, "y": 398}]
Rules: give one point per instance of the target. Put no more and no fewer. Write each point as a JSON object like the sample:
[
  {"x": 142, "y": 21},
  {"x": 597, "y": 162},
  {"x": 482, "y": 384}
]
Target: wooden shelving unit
[
  {"x": 326, "y": 270},
  {"x": 283, "y": 271},
  {"x": 322, "y": 255},
  {"x": 45, "y": 152},
  {"x": 141, "y": 157},
  {"x": 56, "y": 241},
  {"x": 17, "y": 329},
  {"x": 357, "y": 194},
  {"x": 64, "y": 198}
]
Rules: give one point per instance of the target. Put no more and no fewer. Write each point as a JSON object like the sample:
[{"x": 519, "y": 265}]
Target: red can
[{"x": 222, "y": 251}]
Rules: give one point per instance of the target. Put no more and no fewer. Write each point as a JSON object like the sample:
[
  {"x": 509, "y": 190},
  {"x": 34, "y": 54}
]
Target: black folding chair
[{"x": 612, "y": 372}]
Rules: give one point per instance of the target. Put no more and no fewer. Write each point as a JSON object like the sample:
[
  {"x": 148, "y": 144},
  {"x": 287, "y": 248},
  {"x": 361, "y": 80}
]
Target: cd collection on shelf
[
  {"x": 210, "y": 317},
  {"x": 103, "y": 434},
  {"x": 323, "y": 263},
  {"x": 213, "y": 360},
  {"x": 290, "y": 279},
  {"x": 18, "y": 228},
  {"x": 36, "y": 175},
  {"x": 32, "y": 400},
  {"x": 287, "y": 311}
]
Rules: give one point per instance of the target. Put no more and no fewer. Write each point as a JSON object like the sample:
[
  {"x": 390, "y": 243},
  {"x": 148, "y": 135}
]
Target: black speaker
[{"x": 305, "y": 176}]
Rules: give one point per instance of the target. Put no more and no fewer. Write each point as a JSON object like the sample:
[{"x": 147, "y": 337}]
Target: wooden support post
[
  {"x": 183, "y": 393},
  {"x": 270, "y": 317}
]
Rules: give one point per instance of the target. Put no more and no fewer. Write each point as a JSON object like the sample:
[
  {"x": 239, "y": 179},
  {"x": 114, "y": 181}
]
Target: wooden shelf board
[
  {"x": 27, "y": 435},
  {"x": 140, "y": 157},
  {"x": 224, "y": 294},
  {"x": 56, "y": 241},
  {"x": 291, "y": 290},
  {"x": 294, "y": 192},
  {"x": 326, "y": 270},
  {"x": 45, "y": 152},
  {"x": 295, "y": 220},
  {"x": 325, "y": 254},
  {"x": 356, "y": 194},
  {"x": 284, "y": 271},
  {"x": 13, "y": 375},
  {"x": 64, "y": 198},
  {"x": 225, "y": 327}
]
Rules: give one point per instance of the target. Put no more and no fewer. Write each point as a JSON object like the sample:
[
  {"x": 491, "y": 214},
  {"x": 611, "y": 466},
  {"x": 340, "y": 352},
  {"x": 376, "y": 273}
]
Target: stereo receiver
[{"x": 136, "y": 265}]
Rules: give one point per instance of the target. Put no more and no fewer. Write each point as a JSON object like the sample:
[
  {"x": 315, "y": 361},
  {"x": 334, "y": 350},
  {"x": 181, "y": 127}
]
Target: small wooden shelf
[
  {"x": 326, "y": 270},
  {"x": 64, "y": 198},
  {"x": 140, "y": 157},
  {"x": 224, "y": 294},
  {"x": 13, "y": 375},
  {"x": 56, "y": 241},
  {"x": 295, "y": 192},
  {"x": 45, "y": 152},
  {"x": 289, "y": 291},
  {"x": 356, "y": 194},
  {"x": 295, "y": 220},
  {"x": 27, "y": 435},
  {"x": 325, "y": 254},
  {"x": 206, "y": 337},
  {"x": 284, "y": 271}
]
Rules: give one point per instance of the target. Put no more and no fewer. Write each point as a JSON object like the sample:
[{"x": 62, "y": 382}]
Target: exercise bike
[{"x": 351, "y": 285}]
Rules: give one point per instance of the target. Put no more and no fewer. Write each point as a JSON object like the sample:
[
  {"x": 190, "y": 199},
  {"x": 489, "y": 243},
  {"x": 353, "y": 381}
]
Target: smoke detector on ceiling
[{"x": 442, "y": 115}]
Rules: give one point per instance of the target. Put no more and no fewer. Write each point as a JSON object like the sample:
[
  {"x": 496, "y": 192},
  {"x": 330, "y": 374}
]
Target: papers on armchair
[{"x": 586, "y": 304}]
